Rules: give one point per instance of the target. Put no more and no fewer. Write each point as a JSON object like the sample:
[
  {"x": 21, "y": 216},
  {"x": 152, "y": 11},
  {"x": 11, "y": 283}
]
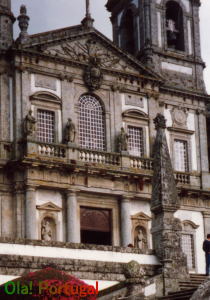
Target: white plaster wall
[
  {"x": 6, "y": 278},
  {"x": 126, "y": 107},
  {"x": 136, "y": 207},
  {"x": 35, "y": 89},
  {"x": 176, "y": 68},
  {"x": 44, "y": 196},
  {"x": 197, "y": 218},
  {"x": 93, "y": 255},
  {"x": 150, "y": 290},
  {"x": 187, "y": 5}
]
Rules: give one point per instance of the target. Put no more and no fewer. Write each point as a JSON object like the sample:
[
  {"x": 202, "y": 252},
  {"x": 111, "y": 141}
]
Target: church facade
[{"x": 77, "y": 135}]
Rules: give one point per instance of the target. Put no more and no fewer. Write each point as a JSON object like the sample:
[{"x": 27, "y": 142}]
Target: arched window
[
  {"x": 91, "y": 123},
  {"x": 174, "y": 26},
  {"x": 128, "y": 32}
]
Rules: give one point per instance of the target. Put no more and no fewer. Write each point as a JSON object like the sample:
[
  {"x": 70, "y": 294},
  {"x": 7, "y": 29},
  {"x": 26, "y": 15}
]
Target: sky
[{"x": 53, "y": 14}]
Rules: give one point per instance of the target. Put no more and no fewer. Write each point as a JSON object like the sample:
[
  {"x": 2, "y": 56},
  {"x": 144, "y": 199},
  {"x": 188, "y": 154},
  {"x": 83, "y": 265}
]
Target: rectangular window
[
  {"x": 45, "y": 126},
  {"x": 181, "y": 156},
  {"x": 136, "y": 141},
  {"x": 188, "y": 249}
]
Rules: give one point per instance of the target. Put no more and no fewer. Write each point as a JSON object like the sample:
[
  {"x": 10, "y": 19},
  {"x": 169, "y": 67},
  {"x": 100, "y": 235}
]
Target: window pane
[
  {"x": 135, "y": 141},
  {"x": 91, "y": 123},
  {"x": 181, "y": 156},
  {"x": 45, "y": 126},
  {"x": 188, "y": 249}
]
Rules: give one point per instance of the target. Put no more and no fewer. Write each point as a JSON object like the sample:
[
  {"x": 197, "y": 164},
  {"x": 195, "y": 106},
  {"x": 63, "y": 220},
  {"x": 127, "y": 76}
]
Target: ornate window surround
[
  {"x": 49, "y": 210},
  {"x": 189, "y": 227},
  {"x": 141, "y": 220},
  {"x": 49, "y": 102},
  {"x": 139, "y": 119}
]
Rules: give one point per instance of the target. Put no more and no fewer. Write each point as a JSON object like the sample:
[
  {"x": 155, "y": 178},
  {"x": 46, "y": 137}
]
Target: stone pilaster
[
  {"x": 125, "y": 221},
  {"x": 204, "y": 161},
  {"x": 30, "y": 211},
  {"x": 72, "y": 230}
]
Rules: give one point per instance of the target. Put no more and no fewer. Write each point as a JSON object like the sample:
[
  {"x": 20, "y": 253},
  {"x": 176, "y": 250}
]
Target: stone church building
[{"x": 77, "y": 135}]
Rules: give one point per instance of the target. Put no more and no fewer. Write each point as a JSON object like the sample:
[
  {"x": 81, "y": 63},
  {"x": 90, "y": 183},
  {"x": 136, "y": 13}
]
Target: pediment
[
  {"x": 81, "y": 46},
  {"x": 49, "y": 206},
  {"x": 82, "y": 50},
  {"x": 141, "y": 216}
]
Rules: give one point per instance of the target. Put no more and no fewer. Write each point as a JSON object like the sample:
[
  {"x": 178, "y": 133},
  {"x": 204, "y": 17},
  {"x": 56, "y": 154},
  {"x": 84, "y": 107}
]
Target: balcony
[{"x": 65, "y": 154}]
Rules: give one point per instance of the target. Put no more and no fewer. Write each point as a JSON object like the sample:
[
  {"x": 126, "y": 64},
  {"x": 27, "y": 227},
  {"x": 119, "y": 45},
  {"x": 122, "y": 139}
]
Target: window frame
[
  {"x": 143, "y": 132},
  {"x": 137, "y": 118},
  {"x": 185, "y": 138},
  {"x": 48, "y": 102}
]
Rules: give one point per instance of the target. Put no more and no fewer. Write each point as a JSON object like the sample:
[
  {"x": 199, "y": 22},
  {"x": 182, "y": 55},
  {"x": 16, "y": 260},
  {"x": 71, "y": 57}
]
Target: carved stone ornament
[
  {"x": 93, "y": 75},
  {"x": 179, "y": 117}
]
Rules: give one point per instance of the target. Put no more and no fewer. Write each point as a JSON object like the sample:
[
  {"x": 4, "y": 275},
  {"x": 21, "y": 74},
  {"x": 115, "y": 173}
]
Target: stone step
[{"x": 182, "y": 295}]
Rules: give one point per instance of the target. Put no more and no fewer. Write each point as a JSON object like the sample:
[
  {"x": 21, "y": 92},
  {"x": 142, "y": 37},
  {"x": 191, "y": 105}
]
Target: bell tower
[
  {"x": 6, "y": 24},
  {"x": 163, "y": 34}
]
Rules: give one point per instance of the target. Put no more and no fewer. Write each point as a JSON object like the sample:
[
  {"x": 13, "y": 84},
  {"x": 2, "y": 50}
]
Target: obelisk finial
[{"x": 87, "y": 21}]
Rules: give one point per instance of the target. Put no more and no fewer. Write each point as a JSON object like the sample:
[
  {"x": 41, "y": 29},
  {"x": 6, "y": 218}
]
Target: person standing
[{"x": 206, "y": 249}]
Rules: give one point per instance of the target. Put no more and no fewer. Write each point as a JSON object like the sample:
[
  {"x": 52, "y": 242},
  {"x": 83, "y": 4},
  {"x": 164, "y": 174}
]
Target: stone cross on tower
[
  {"x": 88, "y": 21},
  {"x": 87, "y": 8}
]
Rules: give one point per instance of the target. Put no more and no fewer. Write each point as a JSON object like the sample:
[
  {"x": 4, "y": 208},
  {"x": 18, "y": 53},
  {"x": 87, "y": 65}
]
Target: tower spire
[{"x": 87, "y": 21}]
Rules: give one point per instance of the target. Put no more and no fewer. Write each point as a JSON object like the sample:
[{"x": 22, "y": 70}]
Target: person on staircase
[{"x": 206, "y": 249}]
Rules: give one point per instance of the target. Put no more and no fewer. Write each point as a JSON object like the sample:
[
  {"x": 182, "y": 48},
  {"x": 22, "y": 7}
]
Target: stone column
[
  {"x": 204, "y": 160},
  {"x": 206, "y": 221},
  {"x": 125, "y": 222},
  {"x": 30, "y": 210},
  {"x": 72, "y": 230}
]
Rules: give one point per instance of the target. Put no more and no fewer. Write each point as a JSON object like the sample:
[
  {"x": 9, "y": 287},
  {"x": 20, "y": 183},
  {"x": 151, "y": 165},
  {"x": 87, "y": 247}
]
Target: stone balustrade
[
  {"x": 52, "y": 150},
  {"x": 183, "y": 178},
  {"x": 141, "y": 163},
  {"x": 99, "y": 157}
]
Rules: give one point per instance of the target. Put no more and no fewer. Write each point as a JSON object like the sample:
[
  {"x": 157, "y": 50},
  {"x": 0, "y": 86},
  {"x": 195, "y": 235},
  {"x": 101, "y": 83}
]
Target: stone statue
[
  {"x": 70, "y": 132},
  {"x": 123, "y": 140},
  {"x": 29, "y": 124},
  {"x": 172, "y": 33},
  {"x": 140, "y": 240},
  {"x": 46, "y": 231}
]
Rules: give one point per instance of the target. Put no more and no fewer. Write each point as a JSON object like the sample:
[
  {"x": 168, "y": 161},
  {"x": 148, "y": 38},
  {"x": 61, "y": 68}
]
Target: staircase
[{"x": 187, "y": 288}]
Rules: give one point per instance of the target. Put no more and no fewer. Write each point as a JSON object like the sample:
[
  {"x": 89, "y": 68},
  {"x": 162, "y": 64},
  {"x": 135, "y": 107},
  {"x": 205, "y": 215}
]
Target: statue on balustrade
[
  {"x": 46, "y": 231},
  {"x": 70, "y": 132},
  {"x": 123, "y": 140},
  {"x": 29, "y": 124}
]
